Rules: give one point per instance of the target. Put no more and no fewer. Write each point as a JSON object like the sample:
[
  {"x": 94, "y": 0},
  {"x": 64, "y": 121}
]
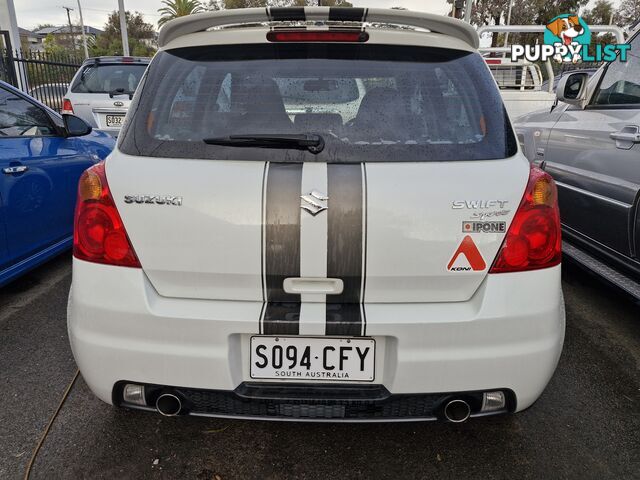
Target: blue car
[{"x": 42, "y": 155}]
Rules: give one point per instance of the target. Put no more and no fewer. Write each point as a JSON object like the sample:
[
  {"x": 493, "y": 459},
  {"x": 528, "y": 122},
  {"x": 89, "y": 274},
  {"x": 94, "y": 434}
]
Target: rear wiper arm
[
  {"x": 312, "y": 143},
  {"x": 120, "y": 91}
]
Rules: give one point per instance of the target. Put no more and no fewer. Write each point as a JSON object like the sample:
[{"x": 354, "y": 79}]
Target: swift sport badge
[
  {"x": 477, "y": 204},
  {"x": 314, "y": 202},
  {"x": 467, "y": 257}
]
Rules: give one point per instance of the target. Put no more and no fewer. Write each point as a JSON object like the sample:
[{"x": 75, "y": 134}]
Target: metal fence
[{"x": 44, "y": 76}]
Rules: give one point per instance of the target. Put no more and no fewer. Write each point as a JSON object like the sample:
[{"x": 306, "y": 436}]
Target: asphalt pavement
[{"x": 585, "y": 425}]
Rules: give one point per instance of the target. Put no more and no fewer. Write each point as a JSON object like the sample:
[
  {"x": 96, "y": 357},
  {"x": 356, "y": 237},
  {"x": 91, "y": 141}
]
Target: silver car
[
  {"x": 590, "y": 144},
  {"x": 102, "y": 89}
]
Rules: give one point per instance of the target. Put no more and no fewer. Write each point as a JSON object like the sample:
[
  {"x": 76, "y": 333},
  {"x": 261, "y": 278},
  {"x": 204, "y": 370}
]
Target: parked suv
[
  {"x": 102, "y": 89},
  {"x": 402, "y": 263},
  {"x": 590, "y": 143}
]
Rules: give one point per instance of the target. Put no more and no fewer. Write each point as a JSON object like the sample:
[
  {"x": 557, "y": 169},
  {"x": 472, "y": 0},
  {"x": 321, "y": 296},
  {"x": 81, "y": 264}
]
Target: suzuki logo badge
[{"x": 314, "y": 202}]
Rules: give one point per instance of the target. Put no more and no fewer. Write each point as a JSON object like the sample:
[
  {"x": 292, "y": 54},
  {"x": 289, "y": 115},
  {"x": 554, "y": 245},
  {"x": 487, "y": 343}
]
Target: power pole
[
  {"x": 506, "y": 35},
  {"x": 123, "y": 28},
  {"x": 467, "y": 11},
  {"x": 456, "y": 8},
  {"x": 84, "y": 34},
  {"x": 72, "y": 40}
]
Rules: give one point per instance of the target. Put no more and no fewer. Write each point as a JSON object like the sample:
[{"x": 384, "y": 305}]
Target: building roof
[{"x": 64, "y": 29}]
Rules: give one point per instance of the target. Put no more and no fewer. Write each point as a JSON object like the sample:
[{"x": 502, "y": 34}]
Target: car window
[
  {"x": 184, "y": 102},
  {"x": 369, "y": 102},
  {"x": 621, "y": 82},
  {"x": 20, "y": 118},
  {"x": 318, "y": 90},
  {"x": 105, "y": 78}
]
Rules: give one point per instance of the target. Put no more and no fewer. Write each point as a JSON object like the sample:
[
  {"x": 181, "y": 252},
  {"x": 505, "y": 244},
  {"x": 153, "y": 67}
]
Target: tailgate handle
[{"x": 329, "y": 286}]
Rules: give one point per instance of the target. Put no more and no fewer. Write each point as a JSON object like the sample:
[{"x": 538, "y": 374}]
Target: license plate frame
[
  {"x": 315, "y": 373},
  {"x": 111, "y": 122}
]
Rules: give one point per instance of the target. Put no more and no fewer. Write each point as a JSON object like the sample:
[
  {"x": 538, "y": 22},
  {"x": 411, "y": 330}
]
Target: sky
[{"x": 33, "y": 12}]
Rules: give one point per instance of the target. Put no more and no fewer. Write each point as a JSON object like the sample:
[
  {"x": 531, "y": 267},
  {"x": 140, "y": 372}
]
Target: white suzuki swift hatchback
[{"x": 317, "y": 214}]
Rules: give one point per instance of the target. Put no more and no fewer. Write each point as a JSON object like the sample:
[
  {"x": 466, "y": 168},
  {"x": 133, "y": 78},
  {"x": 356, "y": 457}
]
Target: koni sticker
[{"x": 467, "y": 257}]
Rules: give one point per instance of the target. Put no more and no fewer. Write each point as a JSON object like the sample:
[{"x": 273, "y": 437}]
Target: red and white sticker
[{"x": 467, "y": 257}]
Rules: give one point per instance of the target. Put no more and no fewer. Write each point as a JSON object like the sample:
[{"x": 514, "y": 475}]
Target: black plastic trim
[
  {"x": 615, "y": 260},
  {"x": 314, "y": 402}
]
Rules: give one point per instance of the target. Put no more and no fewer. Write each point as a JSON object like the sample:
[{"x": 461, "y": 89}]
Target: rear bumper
[{"x": 508, "y": 336}]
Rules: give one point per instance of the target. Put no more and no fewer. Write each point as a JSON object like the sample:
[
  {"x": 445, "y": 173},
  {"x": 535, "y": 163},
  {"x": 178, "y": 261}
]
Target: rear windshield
[
  {"x": 369, "y": 103},
  {"x": 106, "y": 78}
]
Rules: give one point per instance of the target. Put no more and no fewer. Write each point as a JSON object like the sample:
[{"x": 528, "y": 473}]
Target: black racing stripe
[
  {"x": 343, "y": 319},
  {"x": 346, "y": 14},
  {"x": 288, "y": 14},
  {"x": 344, "y": 247},
  {"x": 282, "y": 247},
  {"x": 281, "y": 318}
]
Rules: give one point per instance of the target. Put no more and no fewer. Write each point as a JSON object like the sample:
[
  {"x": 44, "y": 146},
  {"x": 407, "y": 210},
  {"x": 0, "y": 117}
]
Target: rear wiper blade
[
  {"x": 312, "y": 143},
  {"x": 120, "y": 91}
]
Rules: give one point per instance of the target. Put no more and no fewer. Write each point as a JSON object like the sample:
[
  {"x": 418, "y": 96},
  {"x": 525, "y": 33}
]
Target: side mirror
[
  {"x": 572, "y": 88},
  {"x": 75, "y": 126}
]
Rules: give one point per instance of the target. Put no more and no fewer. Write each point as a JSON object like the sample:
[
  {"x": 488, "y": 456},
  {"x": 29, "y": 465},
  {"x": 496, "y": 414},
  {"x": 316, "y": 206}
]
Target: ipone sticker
[{"x": 484, "y": 227}]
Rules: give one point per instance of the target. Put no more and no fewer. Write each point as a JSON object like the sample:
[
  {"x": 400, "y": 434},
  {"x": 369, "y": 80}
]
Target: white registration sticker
[{"x": 312, "y": 359}]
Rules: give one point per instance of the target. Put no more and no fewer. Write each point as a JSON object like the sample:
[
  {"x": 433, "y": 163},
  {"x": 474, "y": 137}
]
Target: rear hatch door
[{"x": 409, "y": 200}]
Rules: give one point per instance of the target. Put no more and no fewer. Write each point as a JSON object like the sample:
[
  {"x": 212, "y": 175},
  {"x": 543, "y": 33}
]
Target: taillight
[
  {"x": 99, "y": 235},
  {"x": 533, "y": 240},
  {"x": 67, "y": 107},
  {"x": 316, "y": 36}
]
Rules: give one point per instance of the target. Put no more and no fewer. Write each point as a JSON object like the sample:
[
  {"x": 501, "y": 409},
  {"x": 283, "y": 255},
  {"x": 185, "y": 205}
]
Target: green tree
[
  {"x": 140, "y": 34},
  {"x": 628, "y": 13},
  {"x": 52, "y": 47},
  {"x": 230, "y": 4},
  {"x": 489, "y": 12},
  {"x": 530, "y": 12},
  {"x": 40, "y": 26},
  {"x": 601, "y": 14},
  {"x": 178, "y": 8}
]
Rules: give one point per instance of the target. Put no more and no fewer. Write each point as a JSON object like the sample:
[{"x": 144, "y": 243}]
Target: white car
[
  {"x": 403, "y": 264},
  {"x": 102, "y": 89}
]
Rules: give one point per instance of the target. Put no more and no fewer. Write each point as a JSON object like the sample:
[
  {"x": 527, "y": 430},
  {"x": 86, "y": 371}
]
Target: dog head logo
[
  {"x": 570, "y": 31},
  {"x": 467, "y": 257}
]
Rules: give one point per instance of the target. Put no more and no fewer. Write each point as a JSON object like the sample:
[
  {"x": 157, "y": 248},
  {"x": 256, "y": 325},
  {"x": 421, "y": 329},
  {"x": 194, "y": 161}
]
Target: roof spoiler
[{"x": 203, "y": 21}]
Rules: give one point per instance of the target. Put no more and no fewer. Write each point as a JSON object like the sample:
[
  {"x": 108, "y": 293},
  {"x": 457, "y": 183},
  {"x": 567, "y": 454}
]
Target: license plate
[
  {"x": 114, "y": 120},
  {"x": 313, "y": 358}
]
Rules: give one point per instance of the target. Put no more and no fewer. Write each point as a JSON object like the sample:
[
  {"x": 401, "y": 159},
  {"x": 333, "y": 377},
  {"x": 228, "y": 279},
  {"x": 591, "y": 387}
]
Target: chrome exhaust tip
[
  {"x": 168, "y": 405},
  {"x": 457, "y": 411}
]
